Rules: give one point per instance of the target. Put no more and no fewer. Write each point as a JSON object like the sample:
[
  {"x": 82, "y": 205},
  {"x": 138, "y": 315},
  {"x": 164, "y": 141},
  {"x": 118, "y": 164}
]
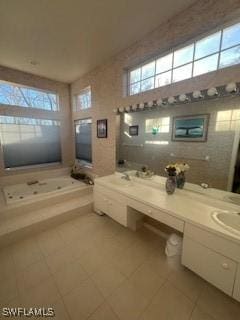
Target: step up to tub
[
  {"x": 22, "y": 207},
  {"x": 20, "y": 226}
]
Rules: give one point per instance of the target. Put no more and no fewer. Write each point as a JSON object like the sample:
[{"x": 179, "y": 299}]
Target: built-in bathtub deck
[{"x": 23, "y": 219}]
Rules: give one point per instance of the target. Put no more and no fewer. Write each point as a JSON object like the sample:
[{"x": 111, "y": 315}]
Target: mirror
[{"x": 203, "y": 134}]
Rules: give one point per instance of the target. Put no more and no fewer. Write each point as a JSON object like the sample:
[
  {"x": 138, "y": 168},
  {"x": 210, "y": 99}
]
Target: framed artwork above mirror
[{"x": 192, "y": 128}]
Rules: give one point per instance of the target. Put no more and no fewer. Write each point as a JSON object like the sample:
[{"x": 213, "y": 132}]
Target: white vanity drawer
[
  {"x": 158, "y": 215},
  {"x": 219, "y": 244},
  {"x": 210, "y": 265},
  {"x": 114, "y": 209},
  {"x": 109, "y": 193}
]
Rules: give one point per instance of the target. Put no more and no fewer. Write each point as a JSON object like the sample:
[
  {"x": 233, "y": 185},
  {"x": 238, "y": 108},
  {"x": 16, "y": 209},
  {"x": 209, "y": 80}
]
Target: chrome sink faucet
[{"x": 126, "y": 177}]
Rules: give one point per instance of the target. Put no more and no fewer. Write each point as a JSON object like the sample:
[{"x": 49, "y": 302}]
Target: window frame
[
  {"x": 176, "y": 48},
  {"x": 87, "y": 163},
  {"x": 76, "y": 97},
  {"x": 14, "y": 84}
]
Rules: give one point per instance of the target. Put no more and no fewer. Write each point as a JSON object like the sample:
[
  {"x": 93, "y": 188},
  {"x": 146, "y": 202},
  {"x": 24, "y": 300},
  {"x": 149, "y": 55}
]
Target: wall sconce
[
  {"x": 183, "y": 97},
  {"x": 171, "y": 100},
  {"x": 197, "y": 94},
  {"x": 231, "y": 87},
  {"x": 150, "y": 104},
  {"x": 212, "y": 92},
  {"x": 134, "y": 107},
  {"x": 121, "y": 109},
  {"x": 141, "y": 105}
]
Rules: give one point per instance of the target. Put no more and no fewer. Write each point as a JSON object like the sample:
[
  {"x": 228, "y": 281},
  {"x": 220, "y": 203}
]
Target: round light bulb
[
  {"x": 127, "y": 108},
  {"x": 212, "y": 92},
  {"x": 150, "y": 104},
  {"x": 159, "y": 102},
  {"x": 183, "y": 97},
  {"x": 141, "y": 105},
  {"x": 114, "y": 110},
  {"x": 231, "y": 87},
  {"x": 197, "y": 94},
  {"x": 171, "y": 100},
  {"x": 134, "y": 107},
  {"x": 121, "y": 109}
]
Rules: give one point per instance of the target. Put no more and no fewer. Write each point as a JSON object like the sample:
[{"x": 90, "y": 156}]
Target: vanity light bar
[{"x": 229, "y": 89}]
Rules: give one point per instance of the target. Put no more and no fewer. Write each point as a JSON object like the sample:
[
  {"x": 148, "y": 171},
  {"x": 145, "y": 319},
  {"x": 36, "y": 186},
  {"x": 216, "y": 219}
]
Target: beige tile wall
[
  {"x": 64, "y": 114},
  {"x": 107, "y": 81}
]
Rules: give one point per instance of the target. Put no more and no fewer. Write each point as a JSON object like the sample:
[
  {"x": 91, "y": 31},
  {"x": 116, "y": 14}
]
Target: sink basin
[
  {"x": 234, "y": 199},
  {"x": 228, "y": 220}
]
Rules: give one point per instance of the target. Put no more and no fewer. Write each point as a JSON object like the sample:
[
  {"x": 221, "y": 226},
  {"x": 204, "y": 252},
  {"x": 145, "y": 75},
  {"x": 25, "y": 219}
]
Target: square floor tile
[
  {"x": 70, "y": 277},
  {"x": 127, "y": 302},
  {"x": 169, "y": 303},
  {"x": 83, "y": 301}
]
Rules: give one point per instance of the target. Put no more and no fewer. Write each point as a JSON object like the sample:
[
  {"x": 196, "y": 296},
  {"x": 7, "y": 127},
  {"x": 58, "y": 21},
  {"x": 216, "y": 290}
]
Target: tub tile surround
[{"x": 61, "y": 278}]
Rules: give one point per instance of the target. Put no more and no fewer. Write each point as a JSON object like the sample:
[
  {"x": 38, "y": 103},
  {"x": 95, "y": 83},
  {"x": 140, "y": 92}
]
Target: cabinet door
[
  {"x": 236, "y": 292},
  {"x": 212, "y": 266},
  {"x": 100, "y": 202},
  {"x": 118, "y": 212}
]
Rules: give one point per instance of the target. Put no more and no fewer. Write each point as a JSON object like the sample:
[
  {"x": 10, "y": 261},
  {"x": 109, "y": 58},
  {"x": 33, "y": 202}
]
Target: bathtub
[{"x": 30, "y": 190}]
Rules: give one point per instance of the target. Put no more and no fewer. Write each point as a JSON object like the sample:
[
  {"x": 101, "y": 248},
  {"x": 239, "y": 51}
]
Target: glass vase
[
  {"x": 171, "y": 184},
  {"x": 181, "y": 179}
]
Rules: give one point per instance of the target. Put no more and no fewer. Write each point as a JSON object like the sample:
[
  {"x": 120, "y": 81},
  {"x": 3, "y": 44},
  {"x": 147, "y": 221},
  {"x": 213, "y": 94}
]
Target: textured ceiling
[{"x": 64, "y": 39}]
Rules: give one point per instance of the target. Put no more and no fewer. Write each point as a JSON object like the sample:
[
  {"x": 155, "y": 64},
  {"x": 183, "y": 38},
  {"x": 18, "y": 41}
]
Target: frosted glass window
[
  {"x": 83, "y": 139},
  {"x": 163, "y": 79},
  {"x": 161, "y": 124},
  {"x": 230, "y": 57},
  {"x": 164, "y": 63},
  {"x": 148, "y": 70},
  {"x": 231, "y": 36},
  {"x": 28, "y": 141},
  {"x": 183, "y": 56},
  {"x": 205, "y": 65},
  {"x": 207, "y": 45},
  {"x": 182, "y": 73}
]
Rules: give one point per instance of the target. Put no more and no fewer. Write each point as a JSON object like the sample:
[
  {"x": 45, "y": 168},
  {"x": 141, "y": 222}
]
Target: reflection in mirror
[{"x": 214, "y": 162}]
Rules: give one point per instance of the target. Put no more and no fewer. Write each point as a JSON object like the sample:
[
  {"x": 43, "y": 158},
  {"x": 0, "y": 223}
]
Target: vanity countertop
[{"x": 183, "y": 204}]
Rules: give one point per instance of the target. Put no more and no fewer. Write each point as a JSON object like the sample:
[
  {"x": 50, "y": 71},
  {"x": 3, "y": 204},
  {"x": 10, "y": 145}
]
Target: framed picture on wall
[
  {"x": 102, "y": 128},
  {"x": 133, "y": 130},
  {"x": 190, "y": 128}
]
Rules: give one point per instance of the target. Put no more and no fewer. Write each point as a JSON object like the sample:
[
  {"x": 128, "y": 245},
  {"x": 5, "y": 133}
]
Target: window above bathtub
[
  {"x": 218, "y": 50},
  {"x": 82, "y": 101},
  {"x": 23, "y": 96}
]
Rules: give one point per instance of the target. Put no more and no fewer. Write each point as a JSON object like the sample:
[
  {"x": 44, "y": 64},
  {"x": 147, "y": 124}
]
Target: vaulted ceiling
[{"x": 64, "y": 39}]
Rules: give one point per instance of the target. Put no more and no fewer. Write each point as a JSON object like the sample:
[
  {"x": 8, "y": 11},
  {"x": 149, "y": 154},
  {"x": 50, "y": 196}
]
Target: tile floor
[{"x": 93, "y": 268}]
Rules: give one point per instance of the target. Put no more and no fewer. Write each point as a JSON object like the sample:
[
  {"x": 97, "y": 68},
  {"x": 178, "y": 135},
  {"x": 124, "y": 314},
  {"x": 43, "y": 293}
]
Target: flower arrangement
[
  {"x": 172, "y": 169},
  {"x": 182, "y": 167}
]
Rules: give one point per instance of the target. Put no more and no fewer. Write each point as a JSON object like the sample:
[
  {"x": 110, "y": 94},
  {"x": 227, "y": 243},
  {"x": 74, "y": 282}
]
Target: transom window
[
  {"x": 83, "y": 99},
  {"x": 22, "y": 96},
  {"x": 218, "y": 50}
]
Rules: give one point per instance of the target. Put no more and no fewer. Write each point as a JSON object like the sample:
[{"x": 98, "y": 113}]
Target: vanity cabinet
[
  {"x": 203, "y": 254},
  {"x": 105, "y": 201},
  {"x": 236, "y": 291}
]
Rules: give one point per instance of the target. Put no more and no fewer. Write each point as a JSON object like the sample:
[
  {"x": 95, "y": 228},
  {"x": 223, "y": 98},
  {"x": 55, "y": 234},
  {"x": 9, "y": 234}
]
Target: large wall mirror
[{"x": 204, "y": 134}]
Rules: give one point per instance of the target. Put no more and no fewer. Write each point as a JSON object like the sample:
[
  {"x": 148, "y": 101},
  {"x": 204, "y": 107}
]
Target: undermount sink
[
  {"x": 234, "y": 199},
  {"x": 228, "y": 220}
]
